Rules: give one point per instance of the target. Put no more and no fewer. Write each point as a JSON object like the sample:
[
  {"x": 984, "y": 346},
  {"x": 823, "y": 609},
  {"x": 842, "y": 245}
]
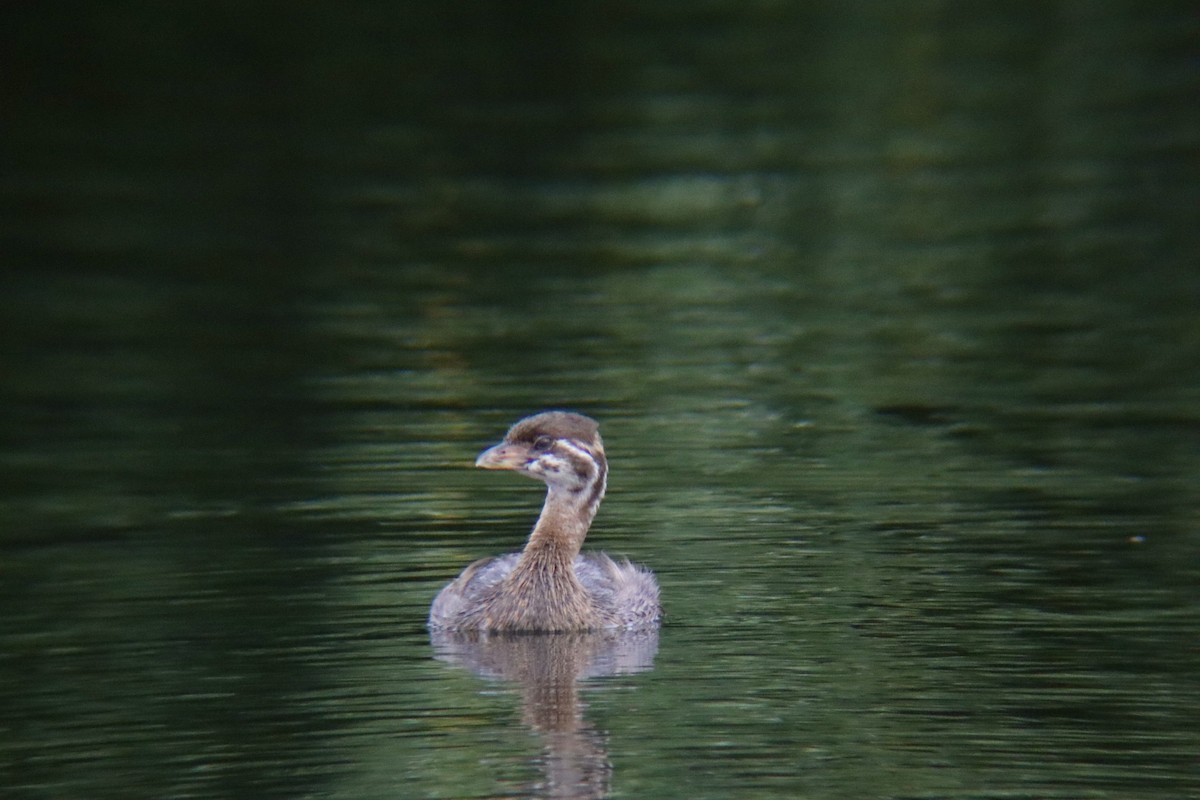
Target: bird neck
[
  {"x": 550, "y": 594},
  {"x": 561, "y": 528}
]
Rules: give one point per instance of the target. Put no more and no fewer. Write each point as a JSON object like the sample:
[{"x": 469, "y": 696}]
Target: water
[{"x": 888, "y": 317}]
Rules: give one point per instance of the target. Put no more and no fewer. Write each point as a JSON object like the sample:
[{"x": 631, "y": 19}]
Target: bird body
[{"x": 551, "y": 585}]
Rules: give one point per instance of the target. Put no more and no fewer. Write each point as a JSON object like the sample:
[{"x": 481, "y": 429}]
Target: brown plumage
[{"x": 550, "y": 585}]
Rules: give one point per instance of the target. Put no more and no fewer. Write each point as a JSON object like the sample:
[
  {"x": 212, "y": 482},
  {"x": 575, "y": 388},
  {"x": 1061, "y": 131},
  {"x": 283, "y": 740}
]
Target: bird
[{"x": 551, "y": 586}]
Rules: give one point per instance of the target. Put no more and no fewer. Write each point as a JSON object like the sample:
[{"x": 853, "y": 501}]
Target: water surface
[{"x": 888, "y": 317}]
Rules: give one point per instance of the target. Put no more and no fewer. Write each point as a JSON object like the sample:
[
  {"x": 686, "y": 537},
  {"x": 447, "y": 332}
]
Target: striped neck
[{"x": 570, "y": 505}]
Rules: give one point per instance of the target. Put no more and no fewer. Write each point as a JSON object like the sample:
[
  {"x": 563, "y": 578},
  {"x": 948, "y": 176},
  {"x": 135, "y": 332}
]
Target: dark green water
[{"x": 888, "y": 314}]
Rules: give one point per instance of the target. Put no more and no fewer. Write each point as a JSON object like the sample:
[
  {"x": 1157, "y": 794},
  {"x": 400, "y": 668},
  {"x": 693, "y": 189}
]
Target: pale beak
[{"x": 503, "y": 456}]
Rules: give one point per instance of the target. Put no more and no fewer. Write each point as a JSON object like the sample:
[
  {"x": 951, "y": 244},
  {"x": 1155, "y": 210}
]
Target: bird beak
[{"x": 503, "y": 456}]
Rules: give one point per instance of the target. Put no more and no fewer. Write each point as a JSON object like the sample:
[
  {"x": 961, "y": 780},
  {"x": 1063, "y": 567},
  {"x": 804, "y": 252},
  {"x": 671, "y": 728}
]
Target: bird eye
[{"x": 542, "y": 443}]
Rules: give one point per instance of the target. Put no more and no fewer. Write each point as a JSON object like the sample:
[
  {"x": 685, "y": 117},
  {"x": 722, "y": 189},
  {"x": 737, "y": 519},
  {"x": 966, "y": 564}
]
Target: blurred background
[{"x": 888, "y": 312}]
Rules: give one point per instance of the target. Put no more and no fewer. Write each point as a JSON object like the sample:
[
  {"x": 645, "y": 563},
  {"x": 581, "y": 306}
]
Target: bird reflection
[{"x": 548, "y": 669}]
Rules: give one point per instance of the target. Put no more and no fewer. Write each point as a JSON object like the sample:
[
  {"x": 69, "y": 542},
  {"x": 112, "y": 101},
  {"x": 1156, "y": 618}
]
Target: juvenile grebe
[{"x": 550, "y": 586}]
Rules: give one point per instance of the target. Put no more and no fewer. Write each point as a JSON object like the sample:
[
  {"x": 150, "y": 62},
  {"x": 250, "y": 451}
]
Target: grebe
[{"x": 550, "y": 585}]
